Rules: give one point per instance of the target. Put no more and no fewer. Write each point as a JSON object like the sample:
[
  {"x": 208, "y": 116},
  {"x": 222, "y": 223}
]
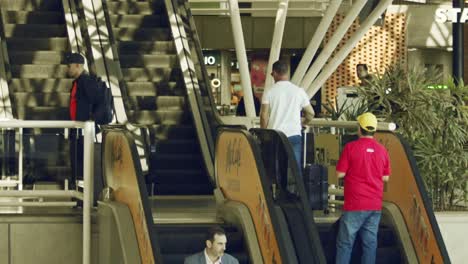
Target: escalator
[
  {"x": 36, "y": 41},
  {"x": 402, "y": 238},
  {"x": 157, "y": 96}
]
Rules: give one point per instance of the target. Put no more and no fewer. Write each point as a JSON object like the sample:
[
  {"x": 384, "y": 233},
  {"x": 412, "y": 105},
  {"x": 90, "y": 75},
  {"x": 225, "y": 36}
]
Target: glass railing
[{"x": 40, "y": 151}]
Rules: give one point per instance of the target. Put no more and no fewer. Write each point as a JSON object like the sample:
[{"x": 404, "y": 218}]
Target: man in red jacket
[{"x": 364, "y": 164}]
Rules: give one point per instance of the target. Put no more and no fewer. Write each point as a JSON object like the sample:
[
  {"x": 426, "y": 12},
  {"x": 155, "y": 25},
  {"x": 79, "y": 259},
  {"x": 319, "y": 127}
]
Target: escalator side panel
[
  {"x": 241, "y": 177},
  {"x": 406, "y": 190},
  {"x": 123, "y": 174}
]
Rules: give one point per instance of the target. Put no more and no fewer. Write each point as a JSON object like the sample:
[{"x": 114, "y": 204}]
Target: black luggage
[{"x": 316, "y": 185}]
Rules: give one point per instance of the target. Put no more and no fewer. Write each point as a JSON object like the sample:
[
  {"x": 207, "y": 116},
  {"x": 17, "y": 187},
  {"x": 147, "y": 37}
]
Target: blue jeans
[
  {"x": 352, "y": 222},
  {"x": 296, "y": 143}
]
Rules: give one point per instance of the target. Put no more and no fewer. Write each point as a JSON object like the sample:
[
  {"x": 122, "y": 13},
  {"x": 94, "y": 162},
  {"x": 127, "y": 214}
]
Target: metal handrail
[
  {"x": 381, "y": 126},
  {"x": 88, "y": 174}
]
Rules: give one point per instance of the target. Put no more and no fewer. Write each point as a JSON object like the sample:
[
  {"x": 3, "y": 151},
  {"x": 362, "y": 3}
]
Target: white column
[
  {"x": 333, "y": 43},
  {"x": 242, "y": 57},
  {"x": 225, "y": 89},
  {"x": 348, "y": 47},
  {"x": 315, "y": 42},
  {"x": 275, "y": 50},
  {"x": 88, "y": 175}
]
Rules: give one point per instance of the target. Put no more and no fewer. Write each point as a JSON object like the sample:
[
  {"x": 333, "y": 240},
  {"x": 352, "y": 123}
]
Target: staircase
[
  {"x": 180, "y": 241},
  {"x": 156, "y": 96},
  {"x": 388, "y": 251},
  {"x": 36, "y": 38}
]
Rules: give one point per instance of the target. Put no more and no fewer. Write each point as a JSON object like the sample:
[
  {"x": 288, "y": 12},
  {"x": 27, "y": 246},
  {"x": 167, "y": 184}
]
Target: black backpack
[{"x": 103, "y": 108}]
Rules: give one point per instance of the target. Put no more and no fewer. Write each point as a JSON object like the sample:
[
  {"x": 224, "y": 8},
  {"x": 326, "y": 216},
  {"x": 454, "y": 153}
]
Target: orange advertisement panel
[
  {"x": 402, "y": 190},
  {"x": 239, "y": 180},
  {"x": 121, "y": 175}
]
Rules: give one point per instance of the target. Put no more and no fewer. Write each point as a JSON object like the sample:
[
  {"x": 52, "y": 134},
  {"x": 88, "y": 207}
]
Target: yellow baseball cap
[{"x": 368, "y": 122}]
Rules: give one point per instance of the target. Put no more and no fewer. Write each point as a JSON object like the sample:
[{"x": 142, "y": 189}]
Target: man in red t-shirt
[{"x": 364, "y": 164}]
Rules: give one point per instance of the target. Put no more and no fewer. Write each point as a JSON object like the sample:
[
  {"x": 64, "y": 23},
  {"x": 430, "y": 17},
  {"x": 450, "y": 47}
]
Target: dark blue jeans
[
  {"x": 352, "y": 222},
  {"x": 296, "y": 143}
]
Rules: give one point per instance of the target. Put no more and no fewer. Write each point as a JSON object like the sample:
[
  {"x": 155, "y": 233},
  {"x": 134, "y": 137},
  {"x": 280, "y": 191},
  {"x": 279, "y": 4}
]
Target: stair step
[
  {"x": 35, "y": 17},
  {"x": 39, "y": 71},
  {"x": 176, "y": 161},
  {"x": 41, "y": 85},
  {"x": 183, "y": 189},
  {"x": 123, "y": 7},
  {"x": 32, "y": 30},
  {"x": 42, "y": 99},
  {"x": 146, "y": 47},
  {"x": 150, "y": 74},
  {"x": 43, "y": 113},
  {"x": 55, "y": 44},
  {"x": 143, "y": 34},
  {"x": 177, "y": 147},
  {"x": 132, "y": 20},
  {"x": 35, "y": 57},
  {"x": 142, "y": 103},
  {"x": 188, "y": 239},
  {"x": 31, "y": 5},
  {"x": 153, "y": 60},
  {"x": 153, "y": 89},
  {"x": 178, "y": 242},
  {"x": 159, "y": 117},
  {"x": 161, "y": 132},
  {"x": 187, "y": 176},
  {"x": 171, "y": 102}
]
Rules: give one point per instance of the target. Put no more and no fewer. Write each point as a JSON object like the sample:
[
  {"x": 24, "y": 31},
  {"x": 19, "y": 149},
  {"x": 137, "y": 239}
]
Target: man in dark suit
[{"x": 214, "y": 251}]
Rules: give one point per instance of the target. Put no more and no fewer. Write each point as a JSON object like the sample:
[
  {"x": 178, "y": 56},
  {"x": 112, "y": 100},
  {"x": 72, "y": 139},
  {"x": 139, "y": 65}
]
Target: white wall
[{"x": 454, "y": 229}]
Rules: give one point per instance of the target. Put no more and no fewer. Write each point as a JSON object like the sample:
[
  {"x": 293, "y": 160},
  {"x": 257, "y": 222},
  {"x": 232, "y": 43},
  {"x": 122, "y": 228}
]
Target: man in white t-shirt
[{"x": 281, "y": 108}]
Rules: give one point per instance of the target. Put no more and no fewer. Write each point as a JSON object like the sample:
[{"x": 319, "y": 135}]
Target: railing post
[
  {"x": 20, "y": 159},
  {"x": 88, "y": 171}
]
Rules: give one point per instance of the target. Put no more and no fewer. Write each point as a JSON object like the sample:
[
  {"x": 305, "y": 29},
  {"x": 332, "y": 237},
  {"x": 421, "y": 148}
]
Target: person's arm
[
  {"x": 308, "y": 114},
  {"x": 387, "y": 169},
  {"x": 340, "y": 174},
  {"x": 264, "y": 115}
]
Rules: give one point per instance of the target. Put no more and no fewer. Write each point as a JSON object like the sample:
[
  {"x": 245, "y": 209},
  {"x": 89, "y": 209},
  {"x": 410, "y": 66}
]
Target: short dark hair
[
  {"x": 215, "y": 230},
  {"x": 362, "y": 65},
  {"x": 280, "y": 67},
  {"x": 74, "y": 58},
  {"x": 365, "y": 132}
]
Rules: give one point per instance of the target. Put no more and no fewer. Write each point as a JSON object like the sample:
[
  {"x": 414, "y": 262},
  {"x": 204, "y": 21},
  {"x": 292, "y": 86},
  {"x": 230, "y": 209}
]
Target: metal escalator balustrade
[{"x": 157, "y": 97}]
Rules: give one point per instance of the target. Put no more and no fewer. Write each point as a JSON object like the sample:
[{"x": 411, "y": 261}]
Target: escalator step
[
  {"x": 146, "y": 47},
  {"x": 35, "y": 17},
  {"x": 200, "y": 188},
  {"x": 143, "y": 34},
  {"x": 30, "y": 4},
  {"x": 32, "y": 30},
  {"x": 138, "y": 20},
  {"x": 178, "y": 242},
  {"x": 173, "y": 131},
  {"x": 56, "y": 44}
]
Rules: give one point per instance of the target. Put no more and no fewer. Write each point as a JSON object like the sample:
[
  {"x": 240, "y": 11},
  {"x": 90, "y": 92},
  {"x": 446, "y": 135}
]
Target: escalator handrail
[
  {"x": 145, "y": 206},
  {"x": 5, "y": 73},
  {"x": 281, "y": 232},
  {"x": 303, "y": 201},
  {"x": 425, "y": 198},
  {"x": 207, "y": 137},
  {"x": 198, "y": 48}
]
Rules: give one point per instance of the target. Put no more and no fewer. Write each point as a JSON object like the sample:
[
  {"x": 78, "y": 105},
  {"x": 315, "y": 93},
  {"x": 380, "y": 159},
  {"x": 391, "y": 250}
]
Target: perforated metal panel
[{"x": 379, "y": 48}]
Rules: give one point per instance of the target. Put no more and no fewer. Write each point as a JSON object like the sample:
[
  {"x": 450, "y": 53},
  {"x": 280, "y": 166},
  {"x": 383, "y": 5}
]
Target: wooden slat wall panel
[{"x": 379, "y": 48}]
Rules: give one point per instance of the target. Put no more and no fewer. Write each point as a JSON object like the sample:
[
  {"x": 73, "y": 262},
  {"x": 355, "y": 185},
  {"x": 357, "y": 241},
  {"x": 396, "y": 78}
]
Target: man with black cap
[
  {"x": 82, "y": 98},
  {"x": 364, "y": 164}
]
